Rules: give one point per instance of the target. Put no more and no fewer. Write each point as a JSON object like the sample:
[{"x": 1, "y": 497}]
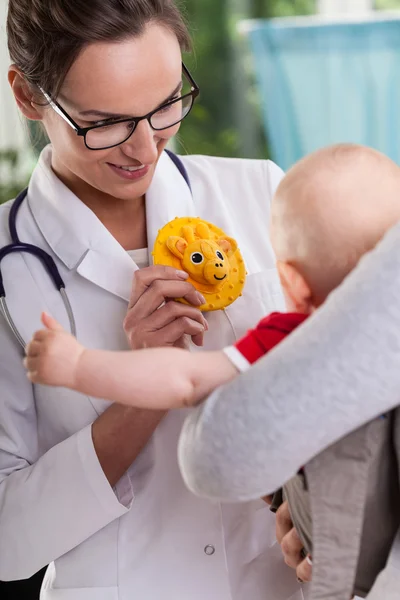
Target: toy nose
[{"x": 219, "y": 265}]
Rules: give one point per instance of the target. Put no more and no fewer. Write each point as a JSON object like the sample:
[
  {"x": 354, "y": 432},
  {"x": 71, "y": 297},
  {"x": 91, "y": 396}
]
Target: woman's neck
[{"x": 124, "y": 219}]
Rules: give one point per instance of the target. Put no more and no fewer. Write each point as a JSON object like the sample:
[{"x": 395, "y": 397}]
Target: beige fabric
[{"x": 353, "y": 489}]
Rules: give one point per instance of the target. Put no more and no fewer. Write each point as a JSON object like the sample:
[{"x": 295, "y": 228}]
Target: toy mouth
[{"x": 219, "y": 278}]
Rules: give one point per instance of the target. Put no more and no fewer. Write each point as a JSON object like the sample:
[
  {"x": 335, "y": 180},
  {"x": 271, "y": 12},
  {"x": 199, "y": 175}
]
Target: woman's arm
[
  {"x": 52, "y": 502},
  {"x": 338, "y": 371}
]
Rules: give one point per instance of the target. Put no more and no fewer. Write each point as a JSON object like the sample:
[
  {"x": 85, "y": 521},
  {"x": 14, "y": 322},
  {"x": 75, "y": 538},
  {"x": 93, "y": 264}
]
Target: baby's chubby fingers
[
  {"x": 30, "y": 363},
  {"x": 35, "y": 359},
  {"x": 32, "y": 366},
  {"x": 34, "y": 347}
]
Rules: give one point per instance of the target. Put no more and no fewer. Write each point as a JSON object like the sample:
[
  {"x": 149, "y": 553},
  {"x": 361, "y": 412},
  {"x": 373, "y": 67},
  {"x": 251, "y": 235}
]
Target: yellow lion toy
[{"x": 211, "y": 259}]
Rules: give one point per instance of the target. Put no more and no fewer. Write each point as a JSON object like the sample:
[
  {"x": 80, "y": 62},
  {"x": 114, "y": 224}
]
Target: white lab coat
[{"x": 145, "y": 538}]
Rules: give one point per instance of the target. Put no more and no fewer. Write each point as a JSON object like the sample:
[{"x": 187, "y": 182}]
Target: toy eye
[
  {"x": 220, "y": 255},
  {"x": 197, "y": 258}
]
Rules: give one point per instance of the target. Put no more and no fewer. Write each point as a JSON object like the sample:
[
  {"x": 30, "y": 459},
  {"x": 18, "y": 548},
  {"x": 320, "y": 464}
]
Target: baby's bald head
[{"x": 331, "y": 208}]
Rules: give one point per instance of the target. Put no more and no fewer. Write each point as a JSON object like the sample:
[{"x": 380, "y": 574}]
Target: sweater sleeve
[
  {"x": 269, "y": 332},
  {"x": 329, "y": 377}
]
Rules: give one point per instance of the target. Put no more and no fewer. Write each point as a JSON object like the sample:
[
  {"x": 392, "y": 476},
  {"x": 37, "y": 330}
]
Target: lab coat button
[{"x": 209, "y": 550}]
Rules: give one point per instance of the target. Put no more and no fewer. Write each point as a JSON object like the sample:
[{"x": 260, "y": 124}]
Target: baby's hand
[{"x": 52, "y": 355}]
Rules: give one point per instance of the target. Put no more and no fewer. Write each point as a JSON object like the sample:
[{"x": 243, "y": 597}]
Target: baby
[{"x": 330, "y": 209}]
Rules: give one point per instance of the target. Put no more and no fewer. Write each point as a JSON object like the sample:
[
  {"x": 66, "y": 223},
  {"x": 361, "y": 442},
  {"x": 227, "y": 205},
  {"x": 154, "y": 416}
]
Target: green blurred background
[{"x": 226, "y": 120}]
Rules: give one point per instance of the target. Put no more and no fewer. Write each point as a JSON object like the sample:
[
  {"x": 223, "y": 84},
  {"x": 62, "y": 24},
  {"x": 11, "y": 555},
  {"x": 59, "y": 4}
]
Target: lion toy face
[
  {"x": 211, "y": 259},
  {"x": 205, "y": 260}
]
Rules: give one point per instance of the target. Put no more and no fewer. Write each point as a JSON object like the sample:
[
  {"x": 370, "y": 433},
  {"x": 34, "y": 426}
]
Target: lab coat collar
[{"x": 80, "y": 240}]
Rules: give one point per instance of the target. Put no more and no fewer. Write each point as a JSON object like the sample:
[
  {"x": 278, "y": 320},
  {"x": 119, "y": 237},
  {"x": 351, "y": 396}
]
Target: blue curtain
[{"x": 328, "y": 83}]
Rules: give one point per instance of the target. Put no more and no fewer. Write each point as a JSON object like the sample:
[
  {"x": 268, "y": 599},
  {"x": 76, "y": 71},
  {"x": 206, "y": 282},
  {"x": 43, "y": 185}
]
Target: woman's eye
[
  {"x": 220, "y": 255},
  {"x": 102, "y": 123},
  {"x": 197, "y": 258},
  {"x": 168, "y": 107}
]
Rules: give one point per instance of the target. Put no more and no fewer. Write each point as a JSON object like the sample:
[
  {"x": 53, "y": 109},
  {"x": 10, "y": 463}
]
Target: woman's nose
[{"x": 142, "y": 145}]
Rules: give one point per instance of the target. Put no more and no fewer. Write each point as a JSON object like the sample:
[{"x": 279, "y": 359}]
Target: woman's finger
[
  {"x": 268, "y": 499},
  {"x": 304, "y": 571},
  {"x": 143, "y": 278},
  {"x": 160, "y": 291},
  {"x": 175, "y": 310},
  {"x": 198, "y": 339},
  {"x": 175, "y": 330},
  {"x": 139, "y": 331},
  {"x": 292, "y": 546},
  {"x": 283, "y": 521}
]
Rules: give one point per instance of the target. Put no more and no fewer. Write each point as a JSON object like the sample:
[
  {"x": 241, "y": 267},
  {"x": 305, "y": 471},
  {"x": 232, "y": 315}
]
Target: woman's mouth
[{"x": 130, "y": 172}]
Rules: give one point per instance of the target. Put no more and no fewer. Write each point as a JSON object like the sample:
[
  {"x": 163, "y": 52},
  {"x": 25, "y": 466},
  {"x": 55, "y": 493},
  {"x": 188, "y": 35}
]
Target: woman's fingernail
[
  {"x": 309, "y": 560},
  {"x": 182, "y": 274},
  {"x": 201, "y": 298}
]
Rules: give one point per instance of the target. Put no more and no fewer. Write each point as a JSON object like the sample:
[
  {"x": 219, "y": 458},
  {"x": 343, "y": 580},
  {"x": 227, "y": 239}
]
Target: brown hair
[{"x": 46, "y": 36}]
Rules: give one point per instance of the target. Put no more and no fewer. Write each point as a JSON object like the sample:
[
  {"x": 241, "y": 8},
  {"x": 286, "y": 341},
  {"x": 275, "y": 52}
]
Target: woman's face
[{"x": 130, "y": 78}]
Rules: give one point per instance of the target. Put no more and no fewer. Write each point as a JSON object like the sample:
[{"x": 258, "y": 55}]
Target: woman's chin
[{"x": 130, "y": 190}]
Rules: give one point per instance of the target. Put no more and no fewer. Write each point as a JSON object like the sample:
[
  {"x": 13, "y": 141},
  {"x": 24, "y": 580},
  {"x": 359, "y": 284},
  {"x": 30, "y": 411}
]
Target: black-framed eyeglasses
[{"x": 110, "y": 132}]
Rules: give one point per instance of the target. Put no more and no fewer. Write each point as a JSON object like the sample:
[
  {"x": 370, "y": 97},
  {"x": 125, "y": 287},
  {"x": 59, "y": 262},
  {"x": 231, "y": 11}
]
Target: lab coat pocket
[
  {"x": 265, "y": 562},
  {"x": 262, "y": 295},
  {"x": 262, "y": 524},
  {"x": 90, "y": 593}
]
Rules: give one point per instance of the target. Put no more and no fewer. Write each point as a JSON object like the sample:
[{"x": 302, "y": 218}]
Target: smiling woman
[
  {"x": 94, "y": 490},
  {"x": 108, "y": 81}
]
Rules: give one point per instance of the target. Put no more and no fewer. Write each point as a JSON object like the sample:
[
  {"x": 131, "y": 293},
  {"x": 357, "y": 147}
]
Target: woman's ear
[
  {"x": 24, "y": 96},
  {"x": 296, "y": 289}
]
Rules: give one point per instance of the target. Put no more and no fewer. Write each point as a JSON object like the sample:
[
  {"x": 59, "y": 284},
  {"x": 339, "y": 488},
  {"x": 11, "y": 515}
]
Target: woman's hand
[
  {"x": 153, "y": 320},
  {"x": 291, "y": 545}
]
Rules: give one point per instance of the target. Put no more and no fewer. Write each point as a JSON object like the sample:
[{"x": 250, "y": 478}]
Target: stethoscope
[
  {"x": 47, "y": 261},
  {"x": 45, "y": 258}
]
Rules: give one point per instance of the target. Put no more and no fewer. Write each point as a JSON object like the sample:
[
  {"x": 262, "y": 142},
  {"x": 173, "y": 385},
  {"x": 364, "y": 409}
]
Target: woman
[{"x": 92, "y": 489}]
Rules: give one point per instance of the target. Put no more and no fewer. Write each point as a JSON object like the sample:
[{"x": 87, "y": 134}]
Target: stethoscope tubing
[{"x": 47, "y": 261}]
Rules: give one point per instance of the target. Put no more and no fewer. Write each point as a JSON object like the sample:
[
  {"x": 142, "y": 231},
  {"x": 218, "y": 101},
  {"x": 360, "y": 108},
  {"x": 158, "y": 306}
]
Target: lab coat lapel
[
  {"x": 74, "y": 233},
  {"x": 106, "y": 263},
  {"x": 110, "y": 268},
  {"x": 81, "y": 241},
  {"x": 168, "y": 197}
]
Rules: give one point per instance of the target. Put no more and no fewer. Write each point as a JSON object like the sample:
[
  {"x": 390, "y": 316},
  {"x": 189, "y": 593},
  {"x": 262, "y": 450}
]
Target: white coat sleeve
[
  {"x": 337, "y": 371},
  {"x": 274, "y": 176},
  {"x": 48, "y": 504}
]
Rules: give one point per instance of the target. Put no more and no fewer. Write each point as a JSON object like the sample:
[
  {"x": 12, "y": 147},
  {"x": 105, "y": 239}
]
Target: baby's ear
[
  {"x": 296, "y": 289},
  {"x": 177, "y": 245}
]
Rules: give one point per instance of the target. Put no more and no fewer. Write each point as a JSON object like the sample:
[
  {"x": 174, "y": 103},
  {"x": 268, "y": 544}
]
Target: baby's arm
[{"x": 154, "y": 378}]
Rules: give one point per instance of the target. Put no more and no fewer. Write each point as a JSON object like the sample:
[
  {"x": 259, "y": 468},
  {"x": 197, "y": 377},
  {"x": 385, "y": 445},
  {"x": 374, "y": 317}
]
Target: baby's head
[{"x": 331, "y": 208}]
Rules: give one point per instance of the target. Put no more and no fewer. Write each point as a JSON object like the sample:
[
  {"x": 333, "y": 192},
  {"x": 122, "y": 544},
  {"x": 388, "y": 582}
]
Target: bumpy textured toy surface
[{"x": 211, "y": 259}]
